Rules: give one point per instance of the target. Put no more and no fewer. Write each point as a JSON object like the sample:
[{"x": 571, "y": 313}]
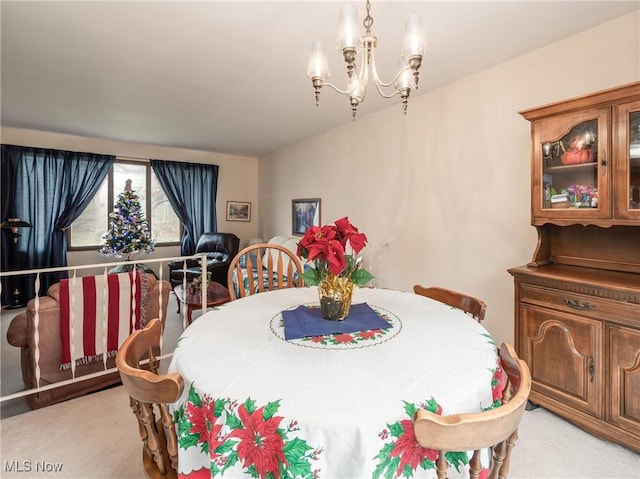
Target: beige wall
[
  {"x": 237, "y": 178},
  {"x": 444, "y": 193}
]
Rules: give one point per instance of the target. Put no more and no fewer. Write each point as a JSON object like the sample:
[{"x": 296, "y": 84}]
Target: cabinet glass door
[
  {"x": 571, "y": 180},
  {"x": 627, "y": 187},
  {"x": 570, "y": 171}
]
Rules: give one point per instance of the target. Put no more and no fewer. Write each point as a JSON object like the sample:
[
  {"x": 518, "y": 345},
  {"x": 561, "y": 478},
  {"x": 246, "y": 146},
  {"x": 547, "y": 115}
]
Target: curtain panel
[
  {"x": 49, "y": 189},
  {"x": 191, "y": 189}
]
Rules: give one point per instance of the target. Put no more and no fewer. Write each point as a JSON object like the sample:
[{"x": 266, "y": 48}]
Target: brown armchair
[
  {"x": 220, "y": 249},
  {"x": 21, "y": 334}
]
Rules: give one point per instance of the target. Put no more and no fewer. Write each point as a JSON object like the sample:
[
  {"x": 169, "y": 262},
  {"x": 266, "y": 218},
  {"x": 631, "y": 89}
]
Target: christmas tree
[{"x": 128, "y": 229}]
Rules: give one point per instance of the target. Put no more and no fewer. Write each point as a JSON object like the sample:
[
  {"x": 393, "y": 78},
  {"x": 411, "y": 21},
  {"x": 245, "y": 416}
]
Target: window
[{"x": 86, "y": 232}]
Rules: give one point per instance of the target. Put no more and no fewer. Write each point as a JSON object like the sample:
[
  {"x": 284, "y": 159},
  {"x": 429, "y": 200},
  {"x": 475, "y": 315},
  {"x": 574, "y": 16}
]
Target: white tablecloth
[{"x": 329, "y": 407}]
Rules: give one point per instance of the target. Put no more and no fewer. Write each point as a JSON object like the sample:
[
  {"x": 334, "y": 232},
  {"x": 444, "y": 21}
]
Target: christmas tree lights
[{"x": 128, "y": 229}]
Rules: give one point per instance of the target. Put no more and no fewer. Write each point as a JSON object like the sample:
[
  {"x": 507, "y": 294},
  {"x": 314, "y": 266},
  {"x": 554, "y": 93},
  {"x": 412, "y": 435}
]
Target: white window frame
[{"x": 111, "y": 203}]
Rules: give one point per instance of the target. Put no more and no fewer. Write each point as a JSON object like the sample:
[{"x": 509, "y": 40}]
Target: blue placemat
[{"x": 304, "y": 321}]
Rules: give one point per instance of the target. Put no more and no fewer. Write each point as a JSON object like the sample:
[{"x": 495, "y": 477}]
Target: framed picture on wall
[
  {"x": 305, "y": 213},
  {"x": 238, "y": 211}
]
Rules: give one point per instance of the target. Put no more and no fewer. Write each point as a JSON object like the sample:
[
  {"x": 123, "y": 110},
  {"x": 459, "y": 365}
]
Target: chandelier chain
[{"x": 368, "y": 20}]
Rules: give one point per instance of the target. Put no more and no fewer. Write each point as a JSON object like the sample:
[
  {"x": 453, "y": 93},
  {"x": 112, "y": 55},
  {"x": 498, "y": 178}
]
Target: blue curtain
[
  {"x": 49, "y": 189},
  {"x": 191, "y": 189}
]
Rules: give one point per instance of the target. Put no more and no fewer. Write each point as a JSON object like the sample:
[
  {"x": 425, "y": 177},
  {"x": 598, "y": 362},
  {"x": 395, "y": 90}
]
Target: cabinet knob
[
  {"x": 592, "y": 368},
  {"x": 578, "y": 304},
  {"x": 603, "y": 163}
]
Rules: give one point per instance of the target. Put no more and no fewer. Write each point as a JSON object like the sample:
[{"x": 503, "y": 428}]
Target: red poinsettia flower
[
  {"x": 215, "y": 439},
  {"x": 368, "y": 334},
  {"x": 349, "y": 233},
  {"x": 311, "y": 243},
  {"x": 197, "y": 419},
  {"x": 343, "y": 338},
  {"x": 498, "y": 383},
  {"x": 334, "y": 254},
  {"x": 409, "y": 450},
  {"x": 327, "y": 247},
  {"x": 484, "y": 474},
  {"x": 260, "y": 444},
  {"x": 202, "y": 421}
]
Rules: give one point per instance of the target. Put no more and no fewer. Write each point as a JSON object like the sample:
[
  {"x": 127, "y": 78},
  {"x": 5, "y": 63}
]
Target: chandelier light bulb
[
  {"x": 413, "y": 41},
  {"x": 318, "y": 69},
  {"x": 405, "y": 80},
  {"x": 348, "y": 35},
  {"x": 318, "y": 64}
]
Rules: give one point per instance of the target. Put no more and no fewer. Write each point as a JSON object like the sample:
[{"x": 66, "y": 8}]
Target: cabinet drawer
[{"x": 576, "y": 303}]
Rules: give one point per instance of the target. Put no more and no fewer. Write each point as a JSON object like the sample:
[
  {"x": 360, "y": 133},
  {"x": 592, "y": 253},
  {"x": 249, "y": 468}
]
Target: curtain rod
[{"x": 134, "y": 158}]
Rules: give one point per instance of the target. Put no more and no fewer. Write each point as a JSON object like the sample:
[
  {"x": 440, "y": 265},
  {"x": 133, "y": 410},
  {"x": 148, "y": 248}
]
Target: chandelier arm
[
  {"x": 383, "y": 94},
  {"x": 342, "y": 92},
  {"x": 376, "y": 78},
  {"x": 380, "y": 84},
  {"x": 349, "y": 91},
  {"x": 363, "y": 71}
]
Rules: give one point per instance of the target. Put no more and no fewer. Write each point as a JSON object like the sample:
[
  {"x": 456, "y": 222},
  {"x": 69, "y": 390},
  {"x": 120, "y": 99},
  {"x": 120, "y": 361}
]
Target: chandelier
[{"x": 358, "y": 77}]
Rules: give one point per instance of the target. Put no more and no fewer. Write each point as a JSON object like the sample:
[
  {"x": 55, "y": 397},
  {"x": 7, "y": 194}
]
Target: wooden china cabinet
[{"x": 577, "y": 303}]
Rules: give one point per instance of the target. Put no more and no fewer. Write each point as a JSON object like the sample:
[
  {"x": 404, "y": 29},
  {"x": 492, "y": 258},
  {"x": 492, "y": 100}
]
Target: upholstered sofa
[
  {"x": 220, "y": 249},
  {"x": 21, "y": 334}
]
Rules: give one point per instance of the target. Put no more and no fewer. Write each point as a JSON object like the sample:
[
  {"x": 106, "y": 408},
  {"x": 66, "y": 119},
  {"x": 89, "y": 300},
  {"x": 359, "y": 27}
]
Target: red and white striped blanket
[{"x": 96, "y": 317}]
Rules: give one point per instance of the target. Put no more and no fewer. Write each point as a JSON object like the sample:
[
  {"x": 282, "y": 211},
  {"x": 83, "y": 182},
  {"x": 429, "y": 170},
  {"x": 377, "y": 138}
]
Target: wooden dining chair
[
  {"x": 263, "y": 267},
  {"x": 149, "y": 394},
  {"x": 470, "y": 305},
  {"x": 496, "y": 429}
]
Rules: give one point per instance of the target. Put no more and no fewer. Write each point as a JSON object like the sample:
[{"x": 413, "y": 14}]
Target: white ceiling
[{"x": 230, "y": 76}]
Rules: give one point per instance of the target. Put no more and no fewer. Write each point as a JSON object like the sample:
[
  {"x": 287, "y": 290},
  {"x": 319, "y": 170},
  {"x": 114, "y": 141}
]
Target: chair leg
[
  {"x": 510, "y": 443},
  {"x": 475, "y": 465},
  {"x": 177, "y": 301},
  {"x": 441, "y": 465}
]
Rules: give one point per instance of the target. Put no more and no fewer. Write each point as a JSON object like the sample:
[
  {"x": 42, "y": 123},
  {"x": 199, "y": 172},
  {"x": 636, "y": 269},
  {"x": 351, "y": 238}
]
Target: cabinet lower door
[
  {"x": 564, "y": 354},
  {"x": 624, "y": 347}
]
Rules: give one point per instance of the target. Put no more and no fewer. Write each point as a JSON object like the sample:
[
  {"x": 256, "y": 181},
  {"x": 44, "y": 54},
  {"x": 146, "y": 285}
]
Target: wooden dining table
[{"x": 336, "y": 405}]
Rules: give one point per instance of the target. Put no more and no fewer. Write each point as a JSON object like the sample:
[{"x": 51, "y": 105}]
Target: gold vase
[{"x": 335, "y": 294}]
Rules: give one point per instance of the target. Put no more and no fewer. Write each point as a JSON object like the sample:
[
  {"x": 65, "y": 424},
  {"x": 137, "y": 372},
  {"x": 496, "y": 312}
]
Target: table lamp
[{"x": 13, "y": 224}]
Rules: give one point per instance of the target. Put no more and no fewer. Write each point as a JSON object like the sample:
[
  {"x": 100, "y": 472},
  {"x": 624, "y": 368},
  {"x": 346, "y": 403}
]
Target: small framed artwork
[
  {"x": 238, "y": 211},
  {"x": 305, "y": 213}
]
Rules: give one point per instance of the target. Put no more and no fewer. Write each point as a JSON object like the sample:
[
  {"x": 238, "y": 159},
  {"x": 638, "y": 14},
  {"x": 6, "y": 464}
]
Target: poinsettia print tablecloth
[{"x": 334, "y": 406}]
